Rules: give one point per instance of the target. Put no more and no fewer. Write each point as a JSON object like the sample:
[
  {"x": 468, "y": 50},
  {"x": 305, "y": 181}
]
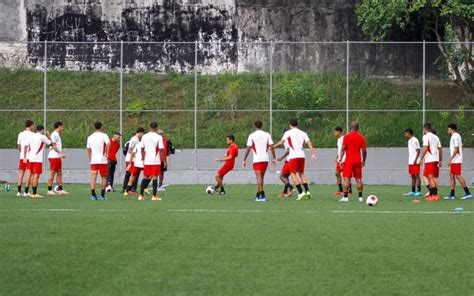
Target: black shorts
[{"x": 163, "y": 167}]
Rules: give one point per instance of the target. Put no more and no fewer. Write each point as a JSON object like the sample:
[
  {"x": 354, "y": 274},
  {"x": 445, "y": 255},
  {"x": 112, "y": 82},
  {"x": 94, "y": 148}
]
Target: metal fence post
[
  {"x": 195, "y": 105},
  {"x": 45, "y": 85},
  {"x": 271, "y": 87},
  {"x": 347, "y": 85},
  {"x": 424, "y": 81},
  {"x": 121, "y": 104}
]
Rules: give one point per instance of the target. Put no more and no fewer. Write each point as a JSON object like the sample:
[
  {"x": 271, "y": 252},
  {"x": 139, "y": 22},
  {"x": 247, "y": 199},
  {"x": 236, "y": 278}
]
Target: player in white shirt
[
  {"x": 432, "y": 154},
  {"x": 455, "y": 163},
  {"x": 34, "y": 155},
  {"x": 285, "y": 173},
  {"x": 135, "y": 167},
  {"x": 152, "y": 153},
  {"x": 297, "y": 139},
  {"x": 22, "y": 142},
  {"x": 259, "y": 142},
  {"x": 128, "y": 163},
  {"x": 55, "y": 161},
  {"x": 98, "y": 145},
  {"x": 413, "y": 163}
]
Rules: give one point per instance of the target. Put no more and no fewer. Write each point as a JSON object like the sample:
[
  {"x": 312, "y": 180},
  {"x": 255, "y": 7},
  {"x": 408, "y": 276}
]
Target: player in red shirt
[
  {"x": 112, "y": 160},
  {"x": 352, "y": 146},
  {"x": 229, "y": 163}
]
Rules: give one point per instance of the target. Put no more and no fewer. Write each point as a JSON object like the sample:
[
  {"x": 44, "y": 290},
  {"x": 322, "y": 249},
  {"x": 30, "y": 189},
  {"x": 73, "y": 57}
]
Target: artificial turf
[{"x": 193, "y": 243}]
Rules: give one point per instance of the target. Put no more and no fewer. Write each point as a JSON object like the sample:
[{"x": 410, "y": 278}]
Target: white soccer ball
[
  {"x": 210, "y": 190},
  {"x": 56, "y": 189},
  {"x": 372, "y": 200}
]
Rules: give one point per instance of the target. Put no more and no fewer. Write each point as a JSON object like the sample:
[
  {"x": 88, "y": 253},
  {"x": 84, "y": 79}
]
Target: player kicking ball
[
  {"x": 98, "y": 145},
  {"x": 285, "y": 174},
  {"x": 297, "y": 139},
  {"x": 413, "y": 163},
  {"x": 455, "y": 163},
  {"x": 432, "y": 154},
  {"x": 229, "y": 163},
  {"x": 259, "y": 142}
]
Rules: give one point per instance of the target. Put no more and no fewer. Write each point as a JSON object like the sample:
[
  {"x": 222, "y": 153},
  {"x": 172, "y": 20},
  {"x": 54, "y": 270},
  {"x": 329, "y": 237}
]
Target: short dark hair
[
  {"x": 409, "y": 130},
  {"x": 338, "y": 129},
  {"x": 98, "y": 125},
  {"x": 453, "y": 126},
  {"x": 58, "y": 124},
  {"x": 28, "y": 123},
  {"x": 258, "y": 124},
  {"x": 40, "y": 128},
  {"x": 140, "y": 130},
  {"x": 153, "y": 125},
  {"x": 427, "y": 125},
  {"x": 232, "y": 137},
  {"x": 294, "y": 122},
  {"x": 433, "y": 131}
]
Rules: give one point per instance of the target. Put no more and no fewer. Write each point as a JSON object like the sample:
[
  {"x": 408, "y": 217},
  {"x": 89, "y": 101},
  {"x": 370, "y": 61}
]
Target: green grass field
[{"x": 192, "y": 243}]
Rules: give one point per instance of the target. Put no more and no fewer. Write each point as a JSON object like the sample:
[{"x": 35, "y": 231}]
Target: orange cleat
[
  {"x": 156, "y": 198},
  {"x": 339, "y": 193},
  {"x": 436, "y": 198},
  {"x": 141, "y": 198},
  {"x": 132, "y": 193}
]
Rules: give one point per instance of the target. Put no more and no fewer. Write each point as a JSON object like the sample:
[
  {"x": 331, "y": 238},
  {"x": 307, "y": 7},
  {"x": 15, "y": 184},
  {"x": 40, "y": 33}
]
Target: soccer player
[
  {"x": 35, "y": 150},
  {"x": 340, "y": 137},
  {"x": 55, "y": 157},
  {"x": 112, "y": 160},
  {"x": 352, "y": 146},
  {"x": 152, "y": 153},
  {"x": 164, "y": 161},
  {"x": 285, "y": 174},
  {"x": 432, "y": 154},
  {"x": 229, "y": 163},
  {"x": 135, "y": 168},
  {"x": 259, "y": 142},
  {"x": 131, "y": 144},
  {"x": 455, "y": 163},
  {"x": 413, "y": 163},
  {"x": 297, "y": 139},
  {"x": 22, "y": 144},
  {"x": 98, "y": 145}
]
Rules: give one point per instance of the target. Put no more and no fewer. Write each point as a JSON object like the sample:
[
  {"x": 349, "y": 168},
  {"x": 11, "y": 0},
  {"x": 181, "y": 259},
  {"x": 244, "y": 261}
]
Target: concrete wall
[{"x": 384, "y": 166}]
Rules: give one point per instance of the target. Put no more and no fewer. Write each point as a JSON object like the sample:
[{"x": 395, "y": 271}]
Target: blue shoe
[
  {"x": 260, "y": 199},
  {"x": 411, "y": 193},
  {"x": 94, "y": 198},
  {"x": 103, "y": 198},
  {"x": 450, "y": 197},
  {"x": 467, "y": 196},
  {"x": 418, "y": 193}
]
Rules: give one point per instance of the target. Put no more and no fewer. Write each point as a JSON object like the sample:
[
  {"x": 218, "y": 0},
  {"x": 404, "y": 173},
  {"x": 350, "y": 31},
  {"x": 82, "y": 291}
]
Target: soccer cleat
[
  {"x": 344, "y": 199},
  {"x": 147, "y": 191},
  {"x": 449, "y": 197},
  {"x": 339, "y": 193},
  {"x": 36, "y": 196},
  {"x": 361, "y": 199},
  {"x": 50, "y": 192},
  {"x": 161, "y": 189},
  {"x": 125, "y": 193},
  {"x": 19, "y": 194},
  {"x": 290, "y": 193},
  {"x": 411, "y": 193},
  {"x": 260, "y": 199},
  {"x": 221, "y": 192},
  {"x": 141, "y": 197},
  {"x": 63, "y": 192},
  {"x": 427, "y": 194},
  {"x": 156, "y": 198},
  {"x": 94, "y": 198},
  {"x": 282, "y": 195},
  {"x": 131, "y": 193},
  {"x": 433, "y": 198},
  {"x": 308, "y": 195},
  {"x": 24, "y": 194},
  {"x": 418, "y": 193},
  {"x": 467, "y": 196},
  {"x": 103, "y": 198},
  {"x": 301, "y": 196}
]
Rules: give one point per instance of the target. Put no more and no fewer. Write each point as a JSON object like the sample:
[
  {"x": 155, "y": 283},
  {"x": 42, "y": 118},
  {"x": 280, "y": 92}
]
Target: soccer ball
[
  {"x": 372, "y": 200},
  {"x": 210, "y": 190}
]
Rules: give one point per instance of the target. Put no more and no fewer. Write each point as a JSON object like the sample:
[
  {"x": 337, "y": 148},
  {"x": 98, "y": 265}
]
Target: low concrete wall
[{"x": 384, "y": 166}]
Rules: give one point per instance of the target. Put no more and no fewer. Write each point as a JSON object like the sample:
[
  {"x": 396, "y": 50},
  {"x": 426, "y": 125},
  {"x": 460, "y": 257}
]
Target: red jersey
[
  {"x": 165, "y": 150},
  {"x": 234, "y": 152},
  {"x": 353, "y": 142},
  {"x": 114, "y": 147}
]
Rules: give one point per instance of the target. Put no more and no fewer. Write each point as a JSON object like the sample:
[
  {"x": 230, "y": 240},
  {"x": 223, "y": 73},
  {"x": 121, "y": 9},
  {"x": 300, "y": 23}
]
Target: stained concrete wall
[{"x": 384, "y": 166}]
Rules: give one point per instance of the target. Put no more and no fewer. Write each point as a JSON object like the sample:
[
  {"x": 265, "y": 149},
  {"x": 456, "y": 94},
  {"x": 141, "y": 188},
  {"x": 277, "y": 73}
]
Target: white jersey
[
  {"x": 97, "y": 143},
  {"x": 260, "y": 141},
  {"x": 56, "y": 139},
  {"x": 296, "y": 139},
  {"x": 153, "y": 143},
  {"x": 431, "y": 141},
  {"x": 23, "y": 139},
  {"x": 339, "y": 149},
  {"x": 36, "y": 147},
  {"x": 413, "y": 146},
  {"x": 456, "y": 141},
  {"x": 131, "y": 144},
  {"x": 138, "y": 161}
]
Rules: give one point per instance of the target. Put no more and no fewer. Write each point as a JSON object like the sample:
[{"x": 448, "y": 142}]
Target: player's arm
[
  {"x": 27, "y": 147},
  {"x": 311, "y": 149},
  {"x": 225, "y": 158},
  {"x": 455, "y": 152},
  {"x": 163, "y": 156},
  {"x": 287, "y": 151},
  {"x": 274, "y": 158},
  {"x": 418, "y": 151},
  {"x": 343, "y": 152},
  {"x": 143, "y": 153},
  {"x": 440, "y": 151},
  {"x": 89, "y": 153},
  {"x": 278, "y": 144},
  {"x": 364, "y": 155},
  {"x": 247, "y": 152},
  {"x": 423, "y": 153}
]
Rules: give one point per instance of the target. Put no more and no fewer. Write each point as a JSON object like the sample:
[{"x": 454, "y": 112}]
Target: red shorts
[
  {"x": 224, "y": 170},
  {"x": 431, "y": 168},
  {"x": 352, "y": 169},
  {"x": 260, "y": 166},
  {"x": 23, "y": 166},
  {"x": 338, "y": 167},
  {"x": 101, "y": 167},
  {"x": 455, "y": 169},
  {"x": 286, "y": 168},
  {"x": 55, "y": 164},
  {"x": 36, "y": 167},
  {"x": 297, "y": 165},
  {"x": 414, "y": 169},
  {"x": 152, "y": 170},
  {"x": 135, "y": 171}
]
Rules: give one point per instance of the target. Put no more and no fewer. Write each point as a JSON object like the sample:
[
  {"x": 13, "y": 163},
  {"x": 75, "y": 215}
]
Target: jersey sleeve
[
  {"x": 18, "y": 141},
  {"x": 425, "y": 141},
  {"x": 456, "y": 141},
  {"x": 306, "y": 138},
  {"x": 88, "y": 145},
  {"x": 285, "y": 137},
  {"x": 160, "y": 143},
  {"x": 106, "y": 139},
  {"x": 270, "y": 141},
  {"x": 249, "y": 141},
  {"x": 416, "y": 144},
  {"x": 364, "y": 143},
  {"x": 45, "y": 140},
  {"x": 234, "y": 151}
]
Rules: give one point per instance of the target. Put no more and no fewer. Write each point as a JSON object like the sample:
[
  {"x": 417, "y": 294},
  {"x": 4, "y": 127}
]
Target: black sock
[
  {"x": 257, "y": 195},
  {"x": 285, "y": 190},
  {"x": 360, "y": 194},
  {"x": 466, "y": 190},
  {"x": 452, "y": 192},
  {"x": 428, "y": 186},
  {"x": 160, "y": 184},
  {"x": 27, "y": 189},
  {"x": 60, "y": 187},
  {"x": 19, "y": 188},
  {"x": 300, "y": 190},
  {"x": 412, "y": 188},
  {"x": 350, "y": 188},
  {"x": 216, "y": 187},
  {"x": 35, "y": 189},
  {"x": 102, "y": 193},
  {"x": 346, "y": 194},
  {"x": 50, "y": 188},
  {"x": 155, "y": 187},
  {"x": 306, "y": 188},
  {"x": 435, "y": 191},
  {"x": 419, "y": 188},
  {"x": 340, "y": 187},
  {"x": 129, "y": 188},
  {"x": 222, "y": 189},
  {"x": 93, "y": 193},
  {"x": 145, "y": 183},
  {"x": 262, "y": 194}
]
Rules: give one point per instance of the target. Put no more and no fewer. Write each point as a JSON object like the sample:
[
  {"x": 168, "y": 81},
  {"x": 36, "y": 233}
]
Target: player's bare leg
[
  {"x": 220, "y": 183},
  {"x": 93, "y": 181},
  {"x": 304, "y": 180},
  {"x": 462, "y": 182},
  {"x": 50, "y": 182},
  {"x": 145, "y": 182},
  {"x": 339, "y": 183},
  {"x": 155, "y": 196},
  {"x": 433, "y": 189},
  {"x": 288, "y": 189},
  {"x": 131, "y": 181},
  {"x": 347, "y": 183},
  {"x": 260, "y": 175},
  {"x": 20, "y": 181},
  {"x": 360, "y": 188},
  {"x": 28, "y": 181},
  {"x": 34, "y": 185}
]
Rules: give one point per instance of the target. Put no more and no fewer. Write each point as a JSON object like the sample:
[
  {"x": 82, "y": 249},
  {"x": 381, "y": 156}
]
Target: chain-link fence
[{"x": 200, "y": 92}]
